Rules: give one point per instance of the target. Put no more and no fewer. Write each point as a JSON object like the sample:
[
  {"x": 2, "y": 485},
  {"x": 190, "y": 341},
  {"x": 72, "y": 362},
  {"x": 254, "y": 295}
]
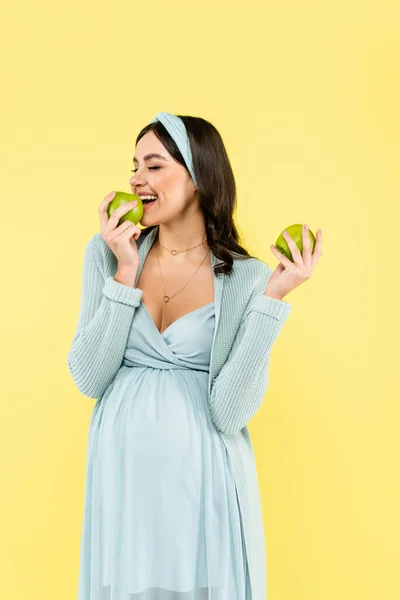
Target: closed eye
[{"x": 150, "y": 168}]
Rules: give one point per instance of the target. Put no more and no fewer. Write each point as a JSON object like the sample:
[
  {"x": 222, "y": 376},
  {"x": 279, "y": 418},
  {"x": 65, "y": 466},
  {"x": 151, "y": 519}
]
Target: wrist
[
  {"x": 271, "y": 294},
  {"x": 126, "y": 275}
]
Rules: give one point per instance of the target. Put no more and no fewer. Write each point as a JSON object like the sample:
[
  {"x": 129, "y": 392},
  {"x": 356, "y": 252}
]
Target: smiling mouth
[{"x": 147, "y": 203}]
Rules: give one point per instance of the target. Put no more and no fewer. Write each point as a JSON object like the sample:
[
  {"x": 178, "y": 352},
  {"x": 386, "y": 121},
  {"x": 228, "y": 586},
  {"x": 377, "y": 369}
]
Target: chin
[{"x": 147, "y": 221}]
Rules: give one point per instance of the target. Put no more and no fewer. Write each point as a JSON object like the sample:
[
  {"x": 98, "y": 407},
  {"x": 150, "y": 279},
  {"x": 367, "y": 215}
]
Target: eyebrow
[{"x": 148, "y": 156}]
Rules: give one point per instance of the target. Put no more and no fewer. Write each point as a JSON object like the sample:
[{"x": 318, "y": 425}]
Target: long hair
[{"x": 215, "y": 183}]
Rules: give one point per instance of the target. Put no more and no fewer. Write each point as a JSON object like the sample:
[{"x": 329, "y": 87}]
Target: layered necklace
[{"x": 174, "y": 252}]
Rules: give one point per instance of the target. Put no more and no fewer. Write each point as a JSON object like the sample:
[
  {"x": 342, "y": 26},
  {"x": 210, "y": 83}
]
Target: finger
[
  {"x": 125, "y": 227},
  {"x": 298, "y": 259},
  {"x": 306, "y": 246},
  {"x": 317, "y": 249},
  {"x": 284, "y": 260},
  {"x": 118, "y": 212},
  {"x": 132, "y": 232},
  {"x": 103, "y": 210}
]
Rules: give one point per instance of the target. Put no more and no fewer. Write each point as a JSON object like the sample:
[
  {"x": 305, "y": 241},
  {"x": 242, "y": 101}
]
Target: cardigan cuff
[
  {"x": 272, "y": 306},
  {"x": 114, "y": 290}
]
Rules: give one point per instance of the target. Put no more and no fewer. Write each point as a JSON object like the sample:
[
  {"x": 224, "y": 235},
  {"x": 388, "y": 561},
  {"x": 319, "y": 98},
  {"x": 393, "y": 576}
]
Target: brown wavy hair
[{"x": 216, "y": 186}]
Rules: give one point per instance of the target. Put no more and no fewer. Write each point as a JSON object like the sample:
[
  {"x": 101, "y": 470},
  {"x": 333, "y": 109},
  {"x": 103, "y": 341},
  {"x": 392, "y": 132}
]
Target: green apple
[
  {"x": 134, "y": 215},
  {"x": 295, "y": 232}
]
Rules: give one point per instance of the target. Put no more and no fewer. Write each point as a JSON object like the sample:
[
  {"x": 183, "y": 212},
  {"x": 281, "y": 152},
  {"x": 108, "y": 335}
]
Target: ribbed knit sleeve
[
  {"x": 238, "y": 390},
  {"x": 105, "y": 317}
]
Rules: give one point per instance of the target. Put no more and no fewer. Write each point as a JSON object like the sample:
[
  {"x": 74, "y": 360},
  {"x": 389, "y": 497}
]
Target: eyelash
[{"x": 150, "y": 168}]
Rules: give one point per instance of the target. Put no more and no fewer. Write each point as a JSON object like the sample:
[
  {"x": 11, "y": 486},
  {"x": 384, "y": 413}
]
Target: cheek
[
  {"x": 166, "y": 179},
  {"x": 170, "y": 186}
]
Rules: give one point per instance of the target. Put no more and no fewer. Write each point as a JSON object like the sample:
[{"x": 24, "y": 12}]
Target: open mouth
[{"x": 148, "y": 203}]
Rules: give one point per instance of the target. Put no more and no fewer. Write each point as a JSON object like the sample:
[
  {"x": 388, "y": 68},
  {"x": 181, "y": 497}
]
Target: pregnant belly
[{"x": 158, "y": 425}]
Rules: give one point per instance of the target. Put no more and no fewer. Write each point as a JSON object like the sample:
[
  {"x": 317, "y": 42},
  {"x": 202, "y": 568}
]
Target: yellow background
[{"x": 306, "y": 96}]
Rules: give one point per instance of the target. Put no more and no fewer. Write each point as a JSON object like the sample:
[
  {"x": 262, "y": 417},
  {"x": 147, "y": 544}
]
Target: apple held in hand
[
  {"x": 295, "y": 232},
  {"x": 134, "y": 215}
]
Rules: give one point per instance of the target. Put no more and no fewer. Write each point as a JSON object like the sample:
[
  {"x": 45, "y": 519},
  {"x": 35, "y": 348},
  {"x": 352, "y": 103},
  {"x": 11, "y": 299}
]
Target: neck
[{"x": 178, "y": 237}]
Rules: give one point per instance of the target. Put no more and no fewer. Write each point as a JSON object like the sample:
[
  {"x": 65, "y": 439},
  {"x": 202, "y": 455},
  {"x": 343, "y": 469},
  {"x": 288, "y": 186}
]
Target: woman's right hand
[{"x": 121, "y": 239}]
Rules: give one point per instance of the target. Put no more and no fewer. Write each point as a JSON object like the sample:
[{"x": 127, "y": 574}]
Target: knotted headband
[{"x": 177, "y": 130}]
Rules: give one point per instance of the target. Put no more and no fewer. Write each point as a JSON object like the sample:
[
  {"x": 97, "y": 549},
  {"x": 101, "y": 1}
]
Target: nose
[{"x": 136, "y": 180}]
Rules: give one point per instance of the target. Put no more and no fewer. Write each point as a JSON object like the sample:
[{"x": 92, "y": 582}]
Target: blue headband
[{"x": 177, "y": 130}]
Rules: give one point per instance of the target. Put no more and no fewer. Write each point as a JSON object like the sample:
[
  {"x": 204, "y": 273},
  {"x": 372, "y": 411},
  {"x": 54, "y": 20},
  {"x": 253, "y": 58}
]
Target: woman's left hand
[{"x": 288, "y": 275}]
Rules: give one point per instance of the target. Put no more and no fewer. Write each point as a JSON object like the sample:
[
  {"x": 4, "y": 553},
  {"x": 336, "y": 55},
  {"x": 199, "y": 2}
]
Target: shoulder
[
  {"x": 251, "y": 269},
  {"x": 102, "y": 255},
  {"x": 250, "y": 278},
  {"x": 246, "y": 282},
  {"x": 95, "y": 245}
]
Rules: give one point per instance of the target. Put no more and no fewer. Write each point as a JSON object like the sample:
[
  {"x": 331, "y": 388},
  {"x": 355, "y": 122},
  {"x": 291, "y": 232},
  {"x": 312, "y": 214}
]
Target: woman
[{"x": 176, "y": 350}]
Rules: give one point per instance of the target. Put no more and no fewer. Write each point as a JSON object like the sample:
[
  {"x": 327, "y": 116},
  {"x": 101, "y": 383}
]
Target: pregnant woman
[{"x": 174, "y": 337}]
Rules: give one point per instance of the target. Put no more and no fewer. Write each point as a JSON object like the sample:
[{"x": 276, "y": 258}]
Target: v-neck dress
[{"x": 161, "y": 515}]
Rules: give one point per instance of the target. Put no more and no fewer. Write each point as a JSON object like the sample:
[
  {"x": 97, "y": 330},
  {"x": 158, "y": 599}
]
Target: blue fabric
[
  {"x": 247, "y": 324},
  {"x": 177, "y": 130},
  {"x": 161, "y": 514}
]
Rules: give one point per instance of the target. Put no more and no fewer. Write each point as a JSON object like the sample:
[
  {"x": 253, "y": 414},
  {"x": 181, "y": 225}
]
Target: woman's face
[{"x": 162, "y": 177}]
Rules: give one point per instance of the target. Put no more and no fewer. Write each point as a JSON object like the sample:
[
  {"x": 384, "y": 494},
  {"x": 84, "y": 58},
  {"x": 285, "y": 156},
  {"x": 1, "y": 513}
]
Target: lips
[{"x": 148, "y": 203}]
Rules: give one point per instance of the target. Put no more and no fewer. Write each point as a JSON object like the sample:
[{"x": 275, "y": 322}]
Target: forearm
[
  {"x": 98, "y": 348},
  {"x": 105, "y": 317},
  {"x": 239, "y": 388}
]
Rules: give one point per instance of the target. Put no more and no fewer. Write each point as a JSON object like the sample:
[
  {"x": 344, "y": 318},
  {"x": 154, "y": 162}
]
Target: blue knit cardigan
[{"x": 247, "y": 323}]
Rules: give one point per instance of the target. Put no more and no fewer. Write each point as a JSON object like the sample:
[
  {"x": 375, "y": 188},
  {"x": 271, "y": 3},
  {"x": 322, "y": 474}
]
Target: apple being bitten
[{"x": 134, "y": 215}]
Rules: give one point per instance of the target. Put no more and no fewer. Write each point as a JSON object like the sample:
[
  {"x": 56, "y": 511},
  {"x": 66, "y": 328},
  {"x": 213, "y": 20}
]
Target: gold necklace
[
  {"x": 167, "y": 298},
  {"x": 179, "y": 251}
]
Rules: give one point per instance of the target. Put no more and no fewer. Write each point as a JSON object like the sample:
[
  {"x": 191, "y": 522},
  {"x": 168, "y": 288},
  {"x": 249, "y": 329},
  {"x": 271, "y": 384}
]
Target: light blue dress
[{"x": 161, "y": 516}]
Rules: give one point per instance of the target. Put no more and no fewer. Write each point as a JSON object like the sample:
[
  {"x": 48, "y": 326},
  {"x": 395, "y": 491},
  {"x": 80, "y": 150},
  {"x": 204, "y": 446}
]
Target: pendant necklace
[{"x": 167, "y": 298}]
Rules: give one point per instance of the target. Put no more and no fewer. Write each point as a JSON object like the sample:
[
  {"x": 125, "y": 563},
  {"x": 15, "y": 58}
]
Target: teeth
[{"x": 148, "y": 197}]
